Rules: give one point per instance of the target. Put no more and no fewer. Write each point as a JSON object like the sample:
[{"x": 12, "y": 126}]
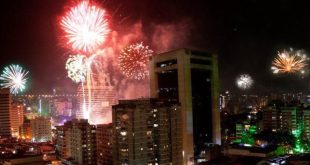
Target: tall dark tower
[
  {"x": 5, "y": 108},
  {"x": 191, "y": 77}
]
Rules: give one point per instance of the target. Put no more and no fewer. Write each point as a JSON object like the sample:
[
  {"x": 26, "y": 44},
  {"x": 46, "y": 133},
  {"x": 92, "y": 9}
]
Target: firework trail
[
  {"x": 77, "y": 70},
  {"x": 133, "y": 61},
  {"x": 289, "y": 62},
  {"x": 85, "y": 27},
  {"x": 244, "y": 81},
  {"x": 14, "y": 77}
]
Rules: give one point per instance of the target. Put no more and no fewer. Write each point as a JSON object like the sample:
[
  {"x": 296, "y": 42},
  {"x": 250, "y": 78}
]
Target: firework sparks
[
  {"x": 244, "y": 81},
  {"x": 76, "y": 68},
  {"x": 289, "y": 62},
  {"x": 85, "y": 27},
  {"x": 14, "y": 77},
  {"x": 133, "y": 61}
]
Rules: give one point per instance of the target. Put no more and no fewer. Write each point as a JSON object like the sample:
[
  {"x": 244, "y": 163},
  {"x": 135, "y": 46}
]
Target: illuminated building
[
  {"x": 63, "y": 107},
  {"x": 289, "y": 118},
  {"x": 104, "y": 138},
  {"x": 77, "y": 139},
  {"x": 41, "y": 129},
  {"x": 306, "y": 114},
  {"x": 5, "y": 108},
  {"x": 271, "y": 118},
  {"x": 63, "y": 141},
  {"x": 17, "y": 118},
  {"x": 102, "y": 99},
  {"x": 245, "y": 132},
  {"x": 147, "y": 131},
  {"x": 191, "y": 77},
  {"x": 25, "y": 131},
  {"x": 282, "y": 118}
]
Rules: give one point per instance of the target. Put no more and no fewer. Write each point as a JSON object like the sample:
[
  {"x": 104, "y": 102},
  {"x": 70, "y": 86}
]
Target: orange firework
[{"x": 289, "y": 62}]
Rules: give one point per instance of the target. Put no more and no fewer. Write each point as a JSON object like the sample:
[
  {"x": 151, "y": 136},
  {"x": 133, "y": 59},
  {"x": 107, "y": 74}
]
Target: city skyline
[
  {"x": 245, "y": 35},
  {"x": 154, "y": 82}
]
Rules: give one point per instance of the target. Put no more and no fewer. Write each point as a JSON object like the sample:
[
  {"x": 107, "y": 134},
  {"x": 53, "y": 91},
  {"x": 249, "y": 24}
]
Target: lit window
[{"x": 123, "y": 133}]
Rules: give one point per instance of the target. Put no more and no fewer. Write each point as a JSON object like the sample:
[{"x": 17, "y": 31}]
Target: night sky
[{"x": 246, "y": 35}]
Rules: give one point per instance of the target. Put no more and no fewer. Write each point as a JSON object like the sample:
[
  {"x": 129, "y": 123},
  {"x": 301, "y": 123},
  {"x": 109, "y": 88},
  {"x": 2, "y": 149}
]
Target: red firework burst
[{"x": 133, "y": 61}]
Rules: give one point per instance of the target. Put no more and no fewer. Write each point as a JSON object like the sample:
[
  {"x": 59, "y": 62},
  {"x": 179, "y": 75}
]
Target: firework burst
[
  {"x": 244, "y": 81},
  {"x": 85, "y": 27},
  {"x": 289, "y": 62},
  {"x": 14, "y": 77},
  {"x": 133, "y": 61},
  {"x": 76, "y": 68}
]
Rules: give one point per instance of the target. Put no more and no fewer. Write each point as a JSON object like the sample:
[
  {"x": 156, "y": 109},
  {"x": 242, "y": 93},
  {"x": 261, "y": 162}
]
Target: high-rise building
[
  {"x": 100, "y": 107},
  {"x": 5, "y": 108},
  {"x": 76, "y": 139},
  {"x": 147, "y": 131},
  {"x": 41, "y": 129},
  {"x": 306, "y": 115},
  {"x": 63, "y": 141},
  {"x": 17, "y": 118},
  {"x": 104, "y": 138},
  {"x": 191, "y": 77},
  {"x": 271, "y": 118},
  {"x": 288, "y": 118}
]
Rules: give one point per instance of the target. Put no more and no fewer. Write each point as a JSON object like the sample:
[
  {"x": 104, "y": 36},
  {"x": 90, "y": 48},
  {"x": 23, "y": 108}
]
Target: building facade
[
  {"x": 271, "y": 118},
  {"x": 76, "y": 140},
  {"x": 25, "y": 131},
  {"x": 306, "y": 119},
  {"x": 96, "y": 104},
  {"x": 191, "y": 77},
  {"x": 41, "y": 129},
  {"x": 5, "y": 108},
  {"x": 104, "y": 138},
  {"x": 147, "y": 131},
  {"x": 63, "y": 141},
  {"x": 17, "y": 118}
]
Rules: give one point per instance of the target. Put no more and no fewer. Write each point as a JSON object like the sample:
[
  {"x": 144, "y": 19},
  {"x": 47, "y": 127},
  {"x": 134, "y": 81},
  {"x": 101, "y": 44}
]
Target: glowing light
[
  {"x": 244, "y": 81},
  {"x": 289, "y": 62},
  {"x": 76, "y": 68},
  {"x": 86, "y": 27},
  {"x": 14, "y": 77},
  {"x": 133, "y": 61}
]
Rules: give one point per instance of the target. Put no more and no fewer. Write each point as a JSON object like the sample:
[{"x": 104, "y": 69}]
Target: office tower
[
  {"x": 76, "y": 139},
  {"x": 5, "y": 108},
  {"x": 147, "y": 131},
  {"x": 102, "y": 98},
  {"x": 41, "y": 129},
  {"x": 17, "y": 118},
  {"x": 191, "y": 77},
  {"x": 104, "y": 138}
]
